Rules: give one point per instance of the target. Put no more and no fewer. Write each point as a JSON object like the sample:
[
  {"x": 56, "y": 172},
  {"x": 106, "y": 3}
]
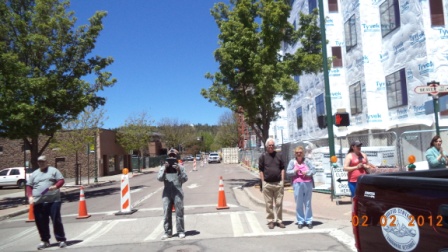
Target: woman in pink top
[
  {"x": 356, "y": 164},
  {"x": 301, "y": 171}
]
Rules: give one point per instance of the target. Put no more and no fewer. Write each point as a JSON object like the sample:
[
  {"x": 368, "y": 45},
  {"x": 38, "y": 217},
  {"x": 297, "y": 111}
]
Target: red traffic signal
[{"x": 342, "y": 119}]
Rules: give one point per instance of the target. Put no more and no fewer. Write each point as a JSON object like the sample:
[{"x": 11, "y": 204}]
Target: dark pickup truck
[{"x": 402, "y": 211}]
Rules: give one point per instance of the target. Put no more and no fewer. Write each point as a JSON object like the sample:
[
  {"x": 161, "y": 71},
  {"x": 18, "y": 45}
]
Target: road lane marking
[
  {"x": 146, "y": 197},
  {"x": 192, "y": 186},
  {"x": 109, "y": 226},
  {"x": 156, "y": 232},
  {"x": 237, "y": 226},
  {"x": 89, "y": 231},
  {"x": 16, "y": 237},
  {"x": 254, "y": 223}
]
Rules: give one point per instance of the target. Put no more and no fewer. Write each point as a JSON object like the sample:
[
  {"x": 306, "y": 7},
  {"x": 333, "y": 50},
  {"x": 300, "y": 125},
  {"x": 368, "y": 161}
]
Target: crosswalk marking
[
  {"x": 156, "y": 232},
  {"x": 254, "y": 223},
  {"x": 16, "y": 237},
  {"x": 238, "y": 229},
  {"x": 89, "y": 231},
  {"x": 237, "y": 224}
]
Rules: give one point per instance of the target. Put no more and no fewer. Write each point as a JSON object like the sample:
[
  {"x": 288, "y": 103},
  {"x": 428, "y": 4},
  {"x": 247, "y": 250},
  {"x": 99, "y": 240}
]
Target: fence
[{"x": 417, "y": 142}]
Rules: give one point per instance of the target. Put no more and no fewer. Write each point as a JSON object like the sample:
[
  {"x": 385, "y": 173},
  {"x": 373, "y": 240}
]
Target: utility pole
[{"x": 326, "y": 80}]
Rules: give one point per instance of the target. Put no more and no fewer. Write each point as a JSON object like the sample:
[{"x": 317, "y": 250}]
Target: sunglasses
[{"x": 299, "y": 152}]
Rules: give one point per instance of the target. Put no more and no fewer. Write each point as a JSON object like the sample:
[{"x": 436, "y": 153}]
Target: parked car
[
  {"x": 214, "y": 158},
  {"x": 14, "y": 176},
  {"x": 188, "y": 158},
  {"x": 198, "y": 156}
]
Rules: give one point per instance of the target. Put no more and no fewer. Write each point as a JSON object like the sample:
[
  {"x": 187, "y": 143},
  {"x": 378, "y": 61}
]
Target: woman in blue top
[{"x": 435, "y": 155}]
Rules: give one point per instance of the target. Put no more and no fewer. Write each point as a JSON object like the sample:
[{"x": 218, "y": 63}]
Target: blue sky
[{"x": 162, "y": 50}]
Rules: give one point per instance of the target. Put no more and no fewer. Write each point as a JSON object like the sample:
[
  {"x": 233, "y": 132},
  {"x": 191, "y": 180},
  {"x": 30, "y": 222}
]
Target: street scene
[
  {"x": 240, "y": 227},
  {"x": 234, "y": 125}
]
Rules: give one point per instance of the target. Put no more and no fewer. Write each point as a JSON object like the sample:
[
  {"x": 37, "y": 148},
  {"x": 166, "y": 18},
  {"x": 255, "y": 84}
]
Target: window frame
[
  {"x": 389, "y": 9},
  {"x": 333, "y": 6},
  {"x": 355, "y": 92},
  {"x": 312, "y": 3},
  {"x": 299, "y": 110},
  {"x": 400, "y": 92},
  {"x": 436, "y": 13},
  {"x": 320, "y": 105},
  {"x": 350, "y": 33},
  {"x": 336, "y": 52}
]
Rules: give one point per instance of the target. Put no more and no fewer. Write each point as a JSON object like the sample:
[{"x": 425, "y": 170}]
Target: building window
[
  {"x": 299, "y": 118},
  {"x": 296, "y": 78},
  {"x": 389, "y": 16},
  {"x": 436, "y": 12},
  {"x": 337, "y": 56},
  {"x": 355, "y": 98},
  {"x": 320, "y": 105},
  {"x": 312, "y": 4},
  {"x": 333, "y": 5},
  {"x": 350, "y": 33},
  {"x": 397, "y": 94}
]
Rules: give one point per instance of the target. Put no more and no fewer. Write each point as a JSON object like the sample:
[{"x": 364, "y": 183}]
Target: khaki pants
[{"x": 273, "y": 192}]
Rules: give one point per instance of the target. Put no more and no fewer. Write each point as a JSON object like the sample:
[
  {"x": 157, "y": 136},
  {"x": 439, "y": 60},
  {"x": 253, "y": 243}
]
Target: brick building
[{"x": 110, "y": 158}]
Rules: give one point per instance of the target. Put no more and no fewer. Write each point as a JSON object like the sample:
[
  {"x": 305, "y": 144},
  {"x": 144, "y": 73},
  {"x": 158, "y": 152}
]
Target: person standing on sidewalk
[
  {"x": 301, "y": 171},
  {"x": 356, "y": 164},
  {"x": 173, "y": 176},
  {"x": 435, "y": 156},
  {"x": 43, "y": 192},
  {"x": 272, "y": 176}
]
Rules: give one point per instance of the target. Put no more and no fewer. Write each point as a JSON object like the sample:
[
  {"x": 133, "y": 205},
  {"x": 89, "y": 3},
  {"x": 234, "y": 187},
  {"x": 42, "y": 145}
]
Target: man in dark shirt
[{"x": 272, "y": 176}]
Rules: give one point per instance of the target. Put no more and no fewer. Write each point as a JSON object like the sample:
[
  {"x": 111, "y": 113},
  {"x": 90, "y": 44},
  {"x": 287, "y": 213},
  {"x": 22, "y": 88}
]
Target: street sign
[
  {"x": 431, "y": 89},
  {"x": 340, "y": 182}
]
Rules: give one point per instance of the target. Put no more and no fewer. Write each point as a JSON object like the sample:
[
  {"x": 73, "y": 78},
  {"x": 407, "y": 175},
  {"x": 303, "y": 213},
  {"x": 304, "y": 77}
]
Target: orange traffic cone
[
  {"x": 31, "y": 213},
  {"x": 173, "y": 209},
  {"x": 221, "y": 196},
  {"x": 82, "y": 209}
]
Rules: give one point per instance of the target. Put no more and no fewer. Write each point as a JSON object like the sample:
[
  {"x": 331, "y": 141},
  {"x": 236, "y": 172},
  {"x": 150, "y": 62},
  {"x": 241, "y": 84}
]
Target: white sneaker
[
  {"x": 166, "y": 236},
  {"x": 62, "y": 244},
  {"x": 181, "y": 235},
  {"x": 43, "y": 245}
]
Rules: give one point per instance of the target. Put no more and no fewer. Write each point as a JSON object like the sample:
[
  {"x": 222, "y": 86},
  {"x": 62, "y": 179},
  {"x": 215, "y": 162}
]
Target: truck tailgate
[{"x": 402, "y": 212}]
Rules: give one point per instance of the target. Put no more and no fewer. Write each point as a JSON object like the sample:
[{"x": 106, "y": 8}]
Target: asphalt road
[{"x": 242, "y": 227}]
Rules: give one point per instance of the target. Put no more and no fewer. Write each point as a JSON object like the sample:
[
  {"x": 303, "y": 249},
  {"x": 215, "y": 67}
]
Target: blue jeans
[
  {"x": 42, "y": 214},
  {"x": 352, "y": 187},
  {"x": 302, "y": 196}
]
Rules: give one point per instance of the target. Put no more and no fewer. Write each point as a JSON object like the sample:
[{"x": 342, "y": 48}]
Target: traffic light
[{"x": 341, "y": 119}]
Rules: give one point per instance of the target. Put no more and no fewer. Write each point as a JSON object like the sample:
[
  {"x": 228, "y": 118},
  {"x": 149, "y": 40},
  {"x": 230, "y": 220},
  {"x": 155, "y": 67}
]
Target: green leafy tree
[
  {"x": 135, "y": 134},
  {"x": 175, "y": 133},
  {"x": 252, "y": 70},
  {"x": 43, "y": 59},
  {"x": 78, "y": 134},
  {"x": 227, "y": 135}
]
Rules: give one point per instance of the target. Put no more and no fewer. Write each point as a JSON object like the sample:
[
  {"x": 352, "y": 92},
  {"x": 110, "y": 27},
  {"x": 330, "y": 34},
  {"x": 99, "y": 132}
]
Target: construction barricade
[{"x": 125, "y": 195}]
